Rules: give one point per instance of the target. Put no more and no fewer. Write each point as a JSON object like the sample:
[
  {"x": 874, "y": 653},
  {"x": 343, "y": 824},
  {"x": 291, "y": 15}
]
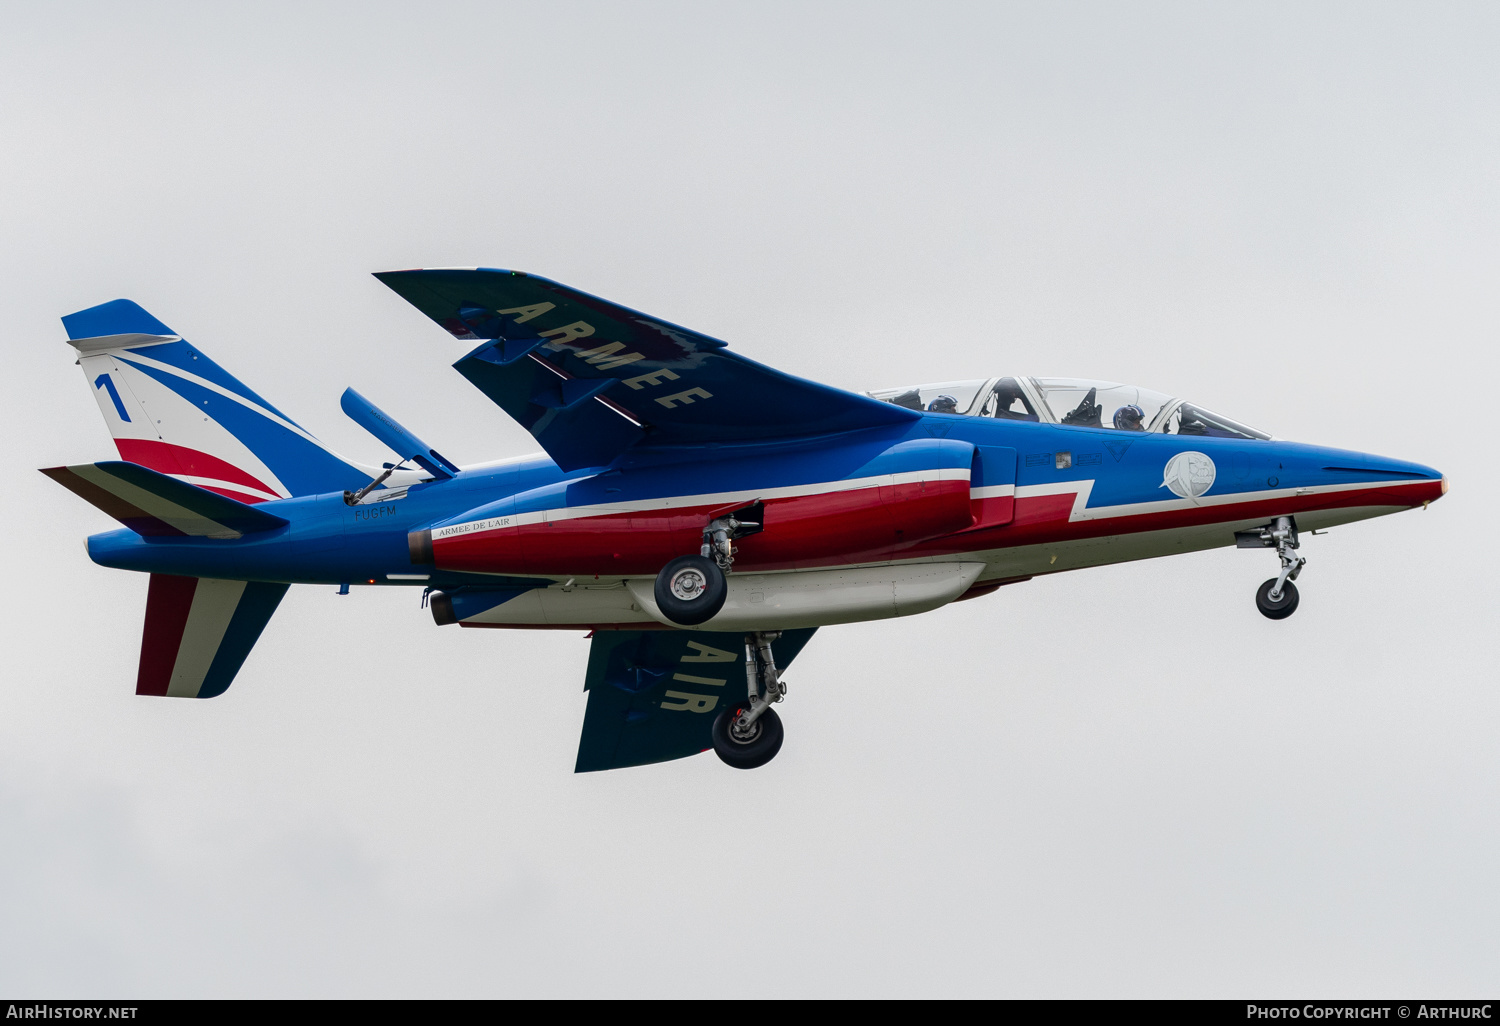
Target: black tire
[
  {"x": 690, "y": 590},
  {"x": 1276, "y": 610},
  {"x": 760, "y": 749}
]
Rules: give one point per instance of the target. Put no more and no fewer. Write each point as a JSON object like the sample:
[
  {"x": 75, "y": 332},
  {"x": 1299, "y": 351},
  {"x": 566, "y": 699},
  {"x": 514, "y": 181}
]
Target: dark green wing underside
[{"x": 653, "y": 695}]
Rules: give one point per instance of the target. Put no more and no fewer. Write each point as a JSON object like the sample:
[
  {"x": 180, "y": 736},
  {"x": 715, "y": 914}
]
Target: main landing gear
[
  {"x": 748, "y": 734},
  {"x": 691, "y": 589},
  {"x": 1277, "y": 598}
]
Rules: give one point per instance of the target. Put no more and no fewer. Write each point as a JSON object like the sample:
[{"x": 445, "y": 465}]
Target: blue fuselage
[{"x": 328, "y": 541}]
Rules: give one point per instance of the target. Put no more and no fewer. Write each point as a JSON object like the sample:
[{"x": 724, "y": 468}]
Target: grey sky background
[{"x": 1117, "y": 782}]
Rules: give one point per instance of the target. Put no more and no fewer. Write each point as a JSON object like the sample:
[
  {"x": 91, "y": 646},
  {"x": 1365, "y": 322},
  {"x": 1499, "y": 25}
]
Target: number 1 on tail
[{"x": 102, "y": 381}]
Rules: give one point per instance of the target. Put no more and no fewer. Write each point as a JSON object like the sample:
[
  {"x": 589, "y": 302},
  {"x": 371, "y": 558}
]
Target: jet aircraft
[{"x": 700, "y": 513}]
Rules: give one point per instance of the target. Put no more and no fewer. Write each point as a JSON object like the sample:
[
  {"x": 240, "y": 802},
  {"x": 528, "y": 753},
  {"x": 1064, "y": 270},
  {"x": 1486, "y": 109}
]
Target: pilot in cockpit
[
  {"x": 943, "y": 404},
  {"x": 1130, "y": 418},
  {"x": 1005, "y": 399}
]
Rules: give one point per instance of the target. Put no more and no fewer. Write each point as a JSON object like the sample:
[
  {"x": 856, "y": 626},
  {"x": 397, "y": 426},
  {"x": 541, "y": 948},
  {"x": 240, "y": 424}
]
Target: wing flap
[{"x": 564, "y": 415}]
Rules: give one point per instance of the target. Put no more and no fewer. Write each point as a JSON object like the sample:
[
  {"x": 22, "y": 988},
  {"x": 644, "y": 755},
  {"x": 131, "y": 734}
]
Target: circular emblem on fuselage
[{"x": 1189, "y": 474}]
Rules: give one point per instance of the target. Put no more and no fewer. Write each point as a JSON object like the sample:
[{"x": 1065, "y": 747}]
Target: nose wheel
[
  {"x": 748, "y": 733},
  {"x": 1280, "y": 607},
  {"x": 1277, "y": 598}
]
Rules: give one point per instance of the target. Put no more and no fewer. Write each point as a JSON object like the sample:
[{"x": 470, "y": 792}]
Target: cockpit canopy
[{"x": 1073, "y": 402}]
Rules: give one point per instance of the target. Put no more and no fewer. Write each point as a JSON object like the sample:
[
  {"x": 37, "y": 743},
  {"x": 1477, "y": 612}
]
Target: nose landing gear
[
  {"x": 749, "y": 734},
  {"x": 1280, "y": 607},
  {"x": 1277, "y": 598}
]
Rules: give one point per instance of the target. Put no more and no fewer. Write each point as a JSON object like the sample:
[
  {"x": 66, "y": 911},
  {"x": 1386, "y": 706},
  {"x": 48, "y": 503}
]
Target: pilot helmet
[
  {"x": 943, "y": 404},
  {"x": 1129, "y": 418}
]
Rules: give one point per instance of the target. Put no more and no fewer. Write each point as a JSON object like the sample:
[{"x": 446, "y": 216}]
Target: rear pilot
[{"x": 1130, "y": 418}]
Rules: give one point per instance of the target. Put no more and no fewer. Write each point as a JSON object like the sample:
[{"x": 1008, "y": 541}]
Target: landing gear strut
[
  {"x": 748, "y": 734},
  {"x": 1277, "y": 598}
]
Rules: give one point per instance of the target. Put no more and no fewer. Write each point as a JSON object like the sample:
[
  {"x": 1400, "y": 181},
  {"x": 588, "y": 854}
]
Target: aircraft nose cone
[
  {"x": 1390, "y": 481},
  {"x": 1423, "y": 485},
  {"x": 1436, "y": 490}
]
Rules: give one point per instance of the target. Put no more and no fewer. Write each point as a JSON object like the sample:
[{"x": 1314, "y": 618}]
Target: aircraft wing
[
  {"x": 653, "y": 695},
  {"x": 589, "y": 378}
]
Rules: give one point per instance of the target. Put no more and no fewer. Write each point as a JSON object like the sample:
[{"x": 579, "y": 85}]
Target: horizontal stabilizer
[
  {"x": 153, "y": 504},
  {"x": 199, "y": 631},
  {"x": 653, "y": 695}
]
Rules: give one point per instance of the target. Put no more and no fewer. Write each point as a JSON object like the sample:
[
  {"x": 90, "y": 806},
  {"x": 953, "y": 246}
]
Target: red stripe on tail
[{"x": 166, "y": 458}]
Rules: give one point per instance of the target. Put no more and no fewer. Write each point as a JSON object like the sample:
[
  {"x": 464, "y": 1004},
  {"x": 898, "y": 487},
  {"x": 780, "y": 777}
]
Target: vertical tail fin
[{"x": 172, "y": 409}]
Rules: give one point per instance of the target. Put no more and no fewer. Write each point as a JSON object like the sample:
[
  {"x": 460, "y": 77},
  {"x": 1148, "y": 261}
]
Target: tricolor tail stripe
[
  {"x": 153, "y": 504},
  {"x": 199, "y": 631}
]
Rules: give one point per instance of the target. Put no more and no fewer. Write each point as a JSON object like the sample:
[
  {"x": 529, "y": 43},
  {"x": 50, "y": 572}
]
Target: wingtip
[{"x": 434, "y": 270}]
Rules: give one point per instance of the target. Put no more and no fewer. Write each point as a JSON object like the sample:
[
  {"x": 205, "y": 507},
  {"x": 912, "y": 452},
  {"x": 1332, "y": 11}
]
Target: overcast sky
[{"x": 1115, "y": 782}]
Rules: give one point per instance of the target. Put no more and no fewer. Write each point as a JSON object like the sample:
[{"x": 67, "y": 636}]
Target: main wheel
[
  {"x": 690, "y": 590},
  {"x": 756, "y": 748},
  {"x": 1278, "y": 610}
]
